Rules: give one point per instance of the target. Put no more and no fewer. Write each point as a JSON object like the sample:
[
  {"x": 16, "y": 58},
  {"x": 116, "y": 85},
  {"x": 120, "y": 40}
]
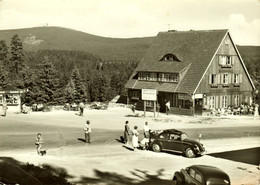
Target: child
[
  {"x": 38, "y": 143},
  {"x": 144, "y": 144}
]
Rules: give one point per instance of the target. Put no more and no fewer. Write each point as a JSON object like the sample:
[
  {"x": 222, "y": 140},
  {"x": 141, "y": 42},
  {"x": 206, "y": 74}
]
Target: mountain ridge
[{"x": 58, "y": 38}]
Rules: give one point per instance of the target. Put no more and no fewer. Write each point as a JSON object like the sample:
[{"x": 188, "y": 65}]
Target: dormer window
[
  {"x": 169, "y": 57},
  {"x": 225, "y": 61}
]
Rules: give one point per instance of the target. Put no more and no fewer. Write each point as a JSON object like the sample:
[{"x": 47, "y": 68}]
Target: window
[
  {"x": 1, "y": 99},
  {"x": 213, "y": 79},
  {"x": 236, "y": 100},
  {"x": 136, "y": 94},
  {"x": 236, "y": 76},
  {"x": 12, "y": 99},
  {"x": 168, "y": 77},
  {"x": 169, "y": 57},
  {"x": 142, "y": 76},
  {"x": 228, "y": 60},
  {"x": 225, "y": 61},
  {"x": 224, "y": 101},
  {"x": 151, "y": 76},
  {"x": 149, "y": 103},
  {"x": 211, "y": 102},
  {"x": 192, "y": 173},
  {"x": 175, "y": 137},
  {"x": 225, "y": 78},
  {"x": 198, "y": 177},
  {"x": 164, "y": 136}
]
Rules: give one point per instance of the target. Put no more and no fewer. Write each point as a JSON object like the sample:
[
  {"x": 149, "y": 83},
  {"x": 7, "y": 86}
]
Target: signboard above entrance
[{"x": 149, "y": 94}]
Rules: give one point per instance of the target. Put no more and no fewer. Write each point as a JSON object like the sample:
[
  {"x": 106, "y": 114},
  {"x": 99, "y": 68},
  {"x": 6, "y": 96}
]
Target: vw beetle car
[
  {"x": 201, "y": 175},
  {"x": 175, "y": 141}
]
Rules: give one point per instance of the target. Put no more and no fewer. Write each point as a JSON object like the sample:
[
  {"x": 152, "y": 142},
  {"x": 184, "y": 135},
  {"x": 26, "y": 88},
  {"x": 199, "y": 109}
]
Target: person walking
[
  {"x": 146, "y": 130},
  {"x": 87, "y": 130},
  {"x": 135, "y": 138},
  {"x": 4, "y": 108},
  {"x": 127, "y": 133},
  {"x": 38, "y": 143}
]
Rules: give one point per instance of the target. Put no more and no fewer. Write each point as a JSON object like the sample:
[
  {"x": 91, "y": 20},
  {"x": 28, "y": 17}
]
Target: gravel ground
[{"x": 106, "y": 161}]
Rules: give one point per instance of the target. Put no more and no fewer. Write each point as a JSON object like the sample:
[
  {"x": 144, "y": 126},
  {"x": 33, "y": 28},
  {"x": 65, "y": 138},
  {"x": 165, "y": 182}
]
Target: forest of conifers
[
  {"x": 56, "y": 77},
  {"x": 61, "y": 76}
]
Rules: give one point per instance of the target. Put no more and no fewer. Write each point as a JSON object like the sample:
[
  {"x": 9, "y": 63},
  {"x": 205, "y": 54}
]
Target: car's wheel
[
  {"x": 189, "y": 153},
  {"x": 176, "y": 182},
  {"x": 156, "y": 147}
]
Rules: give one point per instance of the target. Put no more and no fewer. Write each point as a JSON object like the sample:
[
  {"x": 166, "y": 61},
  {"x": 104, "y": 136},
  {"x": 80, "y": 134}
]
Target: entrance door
[
  {"x": 198, "y": 106},
  {"x": 162, "y": 102}
]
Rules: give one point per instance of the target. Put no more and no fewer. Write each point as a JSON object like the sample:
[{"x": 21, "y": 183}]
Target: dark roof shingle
[{"x": 191, "y": 47}]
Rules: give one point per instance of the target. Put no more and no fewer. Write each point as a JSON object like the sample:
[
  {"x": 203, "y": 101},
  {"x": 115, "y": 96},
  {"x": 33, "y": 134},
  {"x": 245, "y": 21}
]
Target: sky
[{"x": 136, "y": 18}]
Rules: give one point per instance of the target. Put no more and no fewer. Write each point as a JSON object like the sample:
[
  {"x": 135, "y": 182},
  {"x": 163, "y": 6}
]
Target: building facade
[
  {"x": 193, "y": 70},
  {"x": 12, "y": 97}
]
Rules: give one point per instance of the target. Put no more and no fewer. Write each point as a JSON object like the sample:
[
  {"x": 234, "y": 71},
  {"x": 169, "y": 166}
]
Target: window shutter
[
  {"x": 210, "y": 78},
  {"x": 221, "y": 78},
  {"x": 240, "y": 78},
  {"x": 233, "y": 78},
  {"x": 218, "y": 79},
  {"x": 220, "y": 60},
  {"x": 232, "y": 60},
  {"x": 208, "y": 102},
  {"x": 224, "y": 60}
]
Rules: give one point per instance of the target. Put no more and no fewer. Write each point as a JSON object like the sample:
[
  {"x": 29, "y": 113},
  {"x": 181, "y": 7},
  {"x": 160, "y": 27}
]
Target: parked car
[
  {"x": 175, "y": 141},
  {"x": 201, "y": 175}
]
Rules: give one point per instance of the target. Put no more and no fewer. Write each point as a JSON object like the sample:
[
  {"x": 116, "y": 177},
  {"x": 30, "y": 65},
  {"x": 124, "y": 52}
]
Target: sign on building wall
[
  {"x": 184, "y": 97},
  {"x": 149, "y": 94}
]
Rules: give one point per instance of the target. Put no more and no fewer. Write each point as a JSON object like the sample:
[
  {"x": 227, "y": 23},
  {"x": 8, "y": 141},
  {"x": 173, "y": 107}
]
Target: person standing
[
  {"x": 167, "y": 107},
  {"x": 38, "y": 143},
  {"x": 135, "y": 138},
  {"x": 87, "y": 130},
  {"x": 133, "y": 108},
  {"x": 127, "y": 133},
  {"x": 81, "y": 108},
  {"x": 4, "y": 108},
  {"x": 256, "y": 113},
  {"x": 146, "y": 130}
]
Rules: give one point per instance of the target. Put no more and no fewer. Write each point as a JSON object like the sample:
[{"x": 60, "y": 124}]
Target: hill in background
[{"x": 57, "y": 38}]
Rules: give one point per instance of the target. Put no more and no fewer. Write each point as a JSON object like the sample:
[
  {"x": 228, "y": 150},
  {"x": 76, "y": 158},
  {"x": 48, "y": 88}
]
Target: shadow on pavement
[
  {"x": 249, "y": 156},
  {"x": 112, "y": 178},
  {"x": 16, "y": 172},
  {"x": 82, "y": 140}
]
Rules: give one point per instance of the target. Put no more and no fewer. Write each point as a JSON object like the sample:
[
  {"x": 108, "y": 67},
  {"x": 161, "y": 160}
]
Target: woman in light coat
[{"x": 135, "y": 138}]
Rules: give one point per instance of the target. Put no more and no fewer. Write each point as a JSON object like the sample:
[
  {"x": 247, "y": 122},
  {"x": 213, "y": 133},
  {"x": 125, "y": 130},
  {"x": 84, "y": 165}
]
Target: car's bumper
[{"x": 202, "y": 152}]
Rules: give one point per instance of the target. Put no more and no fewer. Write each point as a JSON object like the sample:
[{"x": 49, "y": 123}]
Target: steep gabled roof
[{"x": 194, "y": 48}]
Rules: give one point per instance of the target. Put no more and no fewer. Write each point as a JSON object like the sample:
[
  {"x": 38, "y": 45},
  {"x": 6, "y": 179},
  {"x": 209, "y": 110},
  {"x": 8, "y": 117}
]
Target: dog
[{"x": 43, "y": 152}]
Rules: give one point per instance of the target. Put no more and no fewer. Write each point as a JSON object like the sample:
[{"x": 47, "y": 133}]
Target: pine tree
[
  {"x": 4, "y": 79},
  {"x": 4, "y": 75},
  {"x": 100, "y": 88},
  {"x": 17, "y": 55},
  {"x": 75, "y": 89},
  {"x": 47, "y": 83},
  {"x": 70, "y": 91},
  {"x": 3, "y": 50}
]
